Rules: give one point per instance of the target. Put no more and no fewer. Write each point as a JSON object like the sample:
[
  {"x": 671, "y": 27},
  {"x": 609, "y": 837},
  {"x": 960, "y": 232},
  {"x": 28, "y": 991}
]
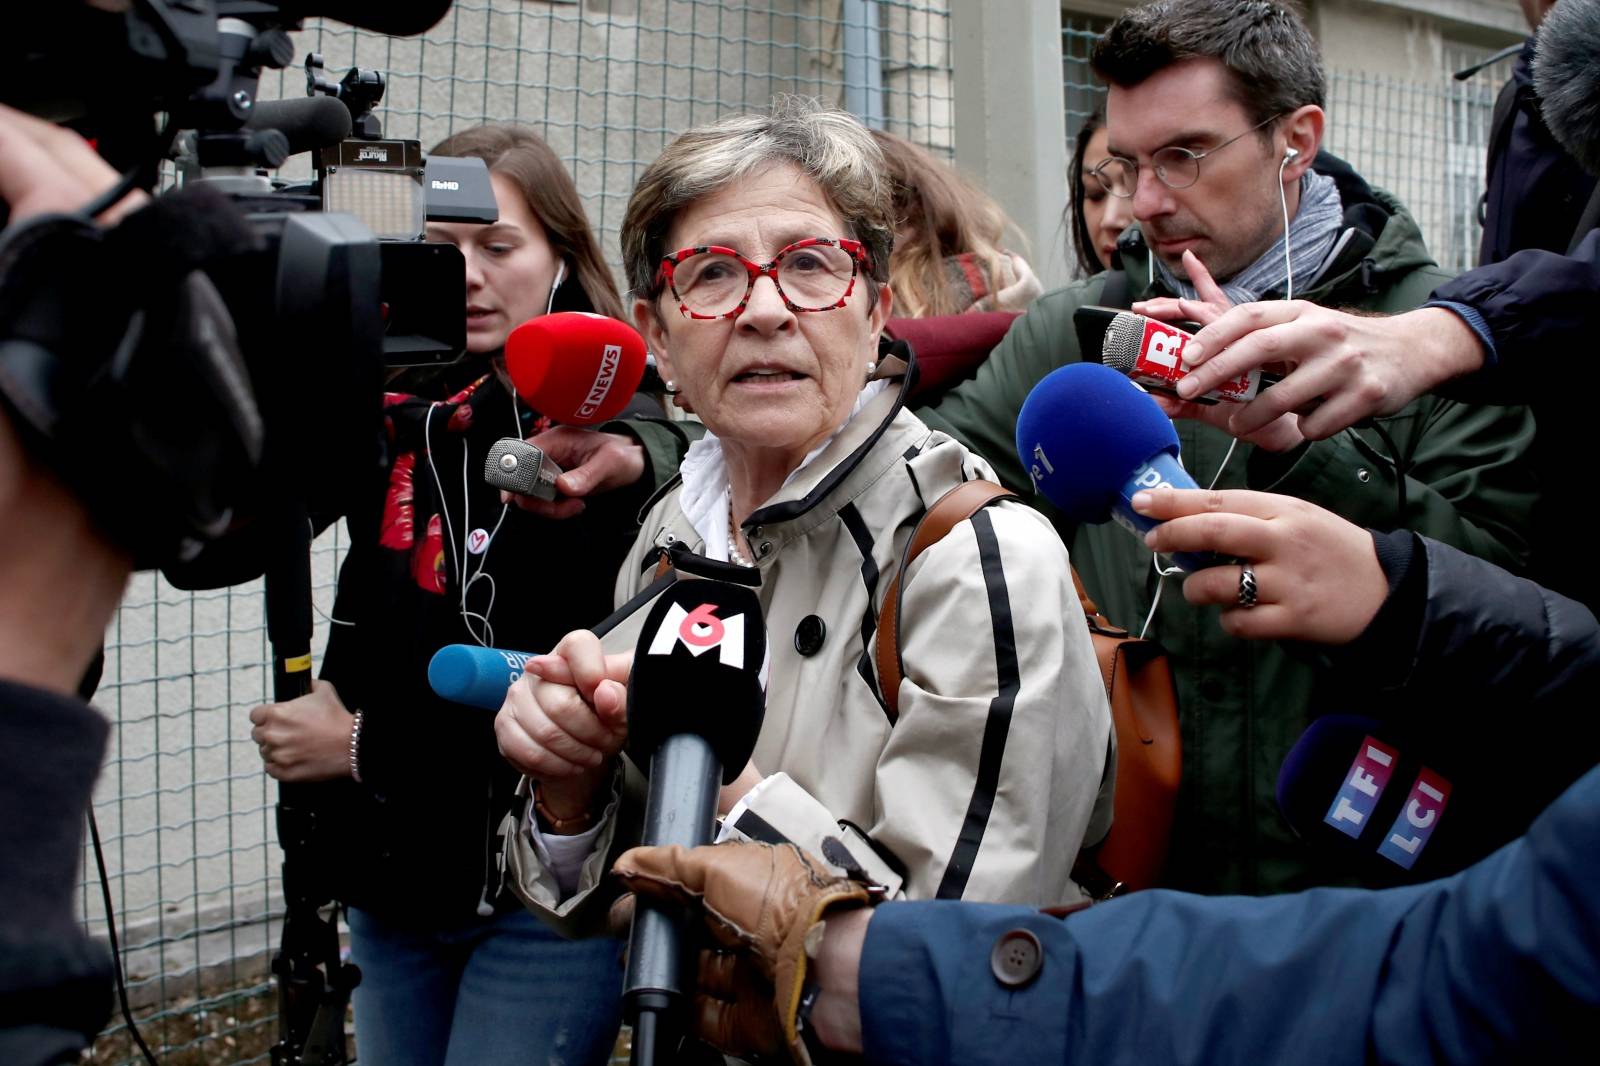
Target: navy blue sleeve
[
  {"x": 1539, "y": 307},
  {"x": 1500, "y": 963}
]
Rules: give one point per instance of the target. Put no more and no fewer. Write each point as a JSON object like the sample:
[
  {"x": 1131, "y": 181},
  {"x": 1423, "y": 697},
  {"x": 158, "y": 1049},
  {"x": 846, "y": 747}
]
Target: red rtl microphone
[
  {"x": 1151, "y": 353},
  {"x": 576, "y": 367}
]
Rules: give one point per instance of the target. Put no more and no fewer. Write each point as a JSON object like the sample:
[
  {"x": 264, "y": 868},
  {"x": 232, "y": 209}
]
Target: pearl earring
[
  {"x": 671, "y": 387},
  {"x": 872, "y": 368}
]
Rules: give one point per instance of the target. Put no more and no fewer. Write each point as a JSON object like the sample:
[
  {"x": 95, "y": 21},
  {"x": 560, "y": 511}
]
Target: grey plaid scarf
[{"x": 1313, "y": 231}]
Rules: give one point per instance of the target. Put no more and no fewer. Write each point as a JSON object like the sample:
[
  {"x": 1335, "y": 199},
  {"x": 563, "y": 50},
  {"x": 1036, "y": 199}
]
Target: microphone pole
[
  {"x": 683, "y": 781},
  {"x": 695, "y": 705},
  {"x": 313, "y": 984}
]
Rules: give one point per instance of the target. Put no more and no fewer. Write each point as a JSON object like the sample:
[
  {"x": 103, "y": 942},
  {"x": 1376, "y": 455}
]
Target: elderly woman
[{"x": 757, "y": 250}]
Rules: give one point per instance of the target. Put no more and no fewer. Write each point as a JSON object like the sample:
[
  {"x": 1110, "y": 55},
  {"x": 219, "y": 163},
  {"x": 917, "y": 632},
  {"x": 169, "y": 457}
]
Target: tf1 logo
[{"x": 1364, "y": 785}]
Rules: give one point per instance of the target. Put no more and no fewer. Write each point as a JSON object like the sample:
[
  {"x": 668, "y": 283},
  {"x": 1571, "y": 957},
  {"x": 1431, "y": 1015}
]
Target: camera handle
[
  {"x": 313, "y": 984},
  {"x": 359, "y": 90}
]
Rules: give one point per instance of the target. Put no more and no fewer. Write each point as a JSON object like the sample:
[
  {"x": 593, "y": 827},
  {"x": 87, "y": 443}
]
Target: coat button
[
  {"x": 1017, "y": 958},
  {"x": 809, "y": 635}
]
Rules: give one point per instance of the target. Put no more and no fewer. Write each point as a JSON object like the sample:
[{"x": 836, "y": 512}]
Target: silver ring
[{"x": 1247, "y": 586}]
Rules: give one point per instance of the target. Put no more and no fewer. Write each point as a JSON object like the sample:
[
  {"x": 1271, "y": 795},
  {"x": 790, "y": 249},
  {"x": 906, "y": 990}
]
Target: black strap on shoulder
[
  {"x": 1586, "y": 221},
  {"x": 1505, "y": 113}
]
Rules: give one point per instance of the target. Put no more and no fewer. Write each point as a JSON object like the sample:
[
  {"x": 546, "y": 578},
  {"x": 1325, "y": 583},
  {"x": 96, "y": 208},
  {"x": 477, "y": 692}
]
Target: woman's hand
[
  {"x": 46, "y": 168},
  {"x": 1279, "y": 434},
  {"x": 1317, "y": 575},
  {"x": 565, "y": 720},
  {"x": 730, "y": 795},
  {"x": 591, "y": 463},
  {"x": 305, "y": 739}
]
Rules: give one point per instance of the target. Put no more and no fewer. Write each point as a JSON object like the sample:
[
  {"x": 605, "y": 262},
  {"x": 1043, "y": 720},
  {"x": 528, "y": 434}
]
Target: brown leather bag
[{"x": 1144, "y": 713}]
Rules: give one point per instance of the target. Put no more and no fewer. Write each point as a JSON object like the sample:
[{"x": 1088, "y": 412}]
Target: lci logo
[{"x": 1364, "y": 785}]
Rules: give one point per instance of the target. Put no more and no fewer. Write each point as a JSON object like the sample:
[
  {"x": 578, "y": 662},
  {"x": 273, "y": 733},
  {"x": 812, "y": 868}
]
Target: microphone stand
[
  {"x": 313, "y": 984},
  {"x": 684, "y": 775}
]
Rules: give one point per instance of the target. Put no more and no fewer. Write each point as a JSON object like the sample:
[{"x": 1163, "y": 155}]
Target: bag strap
[{"x": 947, "y": 512}]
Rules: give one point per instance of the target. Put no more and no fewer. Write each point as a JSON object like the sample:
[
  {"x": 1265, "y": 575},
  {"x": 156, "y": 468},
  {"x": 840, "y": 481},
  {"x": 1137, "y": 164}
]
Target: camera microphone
[{"x": 309, "y": 123}]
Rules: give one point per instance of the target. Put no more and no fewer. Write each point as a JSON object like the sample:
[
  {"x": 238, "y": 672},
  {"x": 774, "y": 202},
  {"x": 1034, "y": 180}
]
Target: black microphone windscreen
[
  {"x": 698, "y": 669},
  {"x": 310, "y": 122},
  {"x": 1372, "y": 798},
  {"x": 1566, "y": 75},
  {"x": 398, "y": 18}
]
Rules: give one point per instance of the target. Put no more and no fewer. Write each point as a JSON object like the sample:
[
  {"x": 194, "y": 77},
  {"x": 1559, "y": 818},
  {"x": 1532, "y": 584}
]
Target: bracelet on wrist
[
  {"x": 355, "y": 746},
  {"x": 579, "y": 823}
]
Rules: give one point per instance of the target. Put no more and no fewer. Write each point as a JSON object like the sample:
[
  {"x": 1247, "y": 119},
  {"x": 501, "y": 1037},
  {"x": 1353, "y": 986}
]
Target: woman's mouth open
[{"x": 767, "y": 376}]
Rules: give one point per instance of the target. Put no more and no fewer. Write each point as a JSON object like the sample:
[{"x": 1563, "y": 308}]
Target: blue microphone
[
  {"x": 478, "y": 677},
  {"x": 1090, "y": 439}
]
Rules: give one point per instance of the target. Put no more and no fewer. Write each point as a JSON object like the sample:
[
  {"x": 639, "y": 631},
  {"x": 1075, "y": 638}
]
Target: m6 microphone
[
  {"x": 579, "y": 368},
  {"x": 1151, "y": 353},
  {"x": 1090, "y": 439},
  {"x": 695, "y": 705}
]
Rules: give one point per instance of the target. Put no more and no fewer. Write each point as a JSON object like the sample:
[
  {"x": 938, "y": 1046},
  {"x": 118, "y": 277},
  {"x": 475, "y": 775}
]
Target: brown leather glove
[{"x": 762, "y": 902}]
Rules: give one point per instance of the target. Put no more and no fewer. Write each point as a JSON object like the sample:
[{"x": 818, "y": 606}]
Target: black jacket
[
  {"x": 1543, "y": 309},
  {"x": 1489, "y": 680},
  {"x": 55, "y": 983},
  {"x": 417, "y": 836},
  {"x": 1536, "y": 191}
]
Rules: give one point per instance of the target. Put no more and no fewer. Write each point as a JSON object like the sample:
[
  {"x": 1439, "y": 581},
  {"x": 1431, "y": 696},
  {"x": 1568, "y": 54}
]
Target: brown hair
[
  {"x": 523, "y": 156},
  {"x": 1083, "y": 244},
  {"x": 940, "y": 214},
  {"x": 1272, "y": 59},
  {"x": 829, "y": 146}
]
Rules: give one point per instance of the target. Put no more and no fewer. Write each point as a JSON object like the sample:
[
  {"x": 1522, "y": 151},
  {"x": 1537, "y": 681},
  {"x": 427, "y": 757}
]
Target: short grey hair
[{"x": 829, "y": 146}]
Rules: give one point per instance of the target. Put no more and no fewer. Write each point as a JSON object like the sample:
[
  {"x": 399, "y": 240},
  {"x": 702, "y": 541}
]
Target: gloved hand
[{"x": 763, "y": 903}]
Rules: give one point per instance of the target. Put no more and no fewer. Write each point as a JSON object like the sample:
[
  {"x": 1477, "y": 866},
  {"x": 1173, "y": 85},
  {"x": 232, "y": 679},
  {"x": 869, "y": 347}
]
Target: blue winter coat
[{"x": 1500, "y": 963}]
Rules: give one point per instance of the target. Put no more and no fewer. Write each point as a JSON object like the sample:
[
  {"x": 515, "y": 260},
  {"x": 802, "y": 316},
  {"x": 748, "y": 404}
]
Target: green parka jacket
[{"x": 1243, "y": 704}]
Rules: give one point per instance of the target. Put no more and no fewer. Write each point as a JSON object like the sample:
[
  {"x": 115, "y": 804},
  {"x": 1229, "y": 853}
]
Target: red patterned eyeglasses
[{"x": 816, "y": 274}]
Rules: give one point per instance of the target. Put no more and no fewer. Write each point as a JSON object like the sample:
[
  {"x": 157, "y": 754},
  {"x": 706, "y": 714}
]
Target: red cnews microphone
[{"x": 576, "y": 367}]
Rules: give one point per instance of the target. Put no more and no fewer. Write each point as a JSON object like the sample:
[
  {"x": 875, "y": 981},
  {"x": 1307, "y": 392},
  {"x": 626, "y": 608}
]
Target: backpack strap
[{"x": 948, "y": 511}]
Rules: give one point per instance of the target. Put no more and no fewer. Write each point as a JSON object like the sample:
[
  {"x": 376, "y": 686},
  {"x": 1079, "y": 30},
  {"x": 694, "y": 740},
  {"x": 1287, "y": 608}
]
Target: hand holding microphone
[
  {"x": 1316, "y": 577},
  {"x": 564, "y": 721},
  {"x": 579, "y": 369},
  {"x": 1237, "y": 392}
]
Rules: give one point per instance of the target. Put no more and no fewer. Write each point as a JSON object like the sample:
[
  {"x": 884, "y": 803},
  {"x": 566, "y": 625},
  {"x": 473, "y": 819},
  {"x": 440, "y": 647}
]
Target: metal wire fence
[{"x": 184, "y": 809}]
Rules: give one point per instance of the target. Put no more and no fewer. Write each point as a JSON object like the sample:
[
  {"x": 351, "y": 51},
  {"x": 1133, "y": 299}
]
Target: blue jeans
[{"x": 501, "y": 991}]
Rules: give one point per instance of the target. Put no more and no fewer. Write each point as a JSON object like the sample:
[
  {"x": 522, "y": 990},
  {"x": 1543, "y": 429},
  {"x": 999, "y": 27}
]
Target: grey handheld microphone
[{"x": 521, "y": 468}]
